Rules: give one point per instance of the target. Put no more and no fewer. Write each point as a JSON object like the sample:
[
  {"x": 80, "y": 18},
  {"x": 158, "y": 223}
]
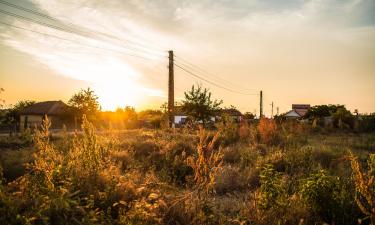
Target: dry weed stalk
[
  {"x": 207, "y": 162},
  {"x": 365, "y": 187},
  {"x": 47, "y": 159}
]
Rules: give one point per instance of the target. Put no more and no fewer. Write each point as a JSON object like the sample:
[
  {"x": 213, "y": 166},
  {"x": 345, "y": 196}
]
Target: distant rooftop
[
  {"x": 45, "y": 108},
  {"x": 301, "y": 106}
]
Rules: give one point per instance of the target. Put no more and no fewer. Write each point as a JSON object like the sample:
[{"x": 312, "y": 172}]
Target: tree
[
  {"x": 84, "y": 102},
  {"x": 198, "y": 104},
  {"x": 339, "y": 113},
  {"x": 12, "y": 115},
  {"x": 2, "y": 101},
  {"x": 248, "y": 116},
  {"x": 320, "y": 111}
]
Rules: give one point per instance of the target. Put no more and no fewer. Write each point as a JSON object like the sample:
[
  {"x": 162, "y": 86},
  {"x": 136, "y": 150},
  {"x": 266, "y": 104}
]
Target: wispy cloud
[{"x": 312, "y": 37}]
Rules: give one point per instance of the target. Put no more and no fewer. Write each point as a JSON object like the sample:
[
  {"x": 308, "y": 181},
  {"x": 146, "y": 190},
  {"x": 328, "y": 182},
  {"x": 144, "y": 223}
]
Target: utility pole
[
  {"x": 277, "y": 110},
  {"x": 261, "y": 105},
  {"x": 272, "y": 110},
  {"x": 171, "y": 90}
]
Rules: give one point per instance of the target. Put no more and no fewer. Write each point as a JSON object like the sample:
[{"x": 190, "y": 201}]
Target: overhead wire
[
  {"x": 35, "y": 12},
  {"x": 198, "y": 68},
  {"x": 75, "y": 42},
  {"x": 210, "y": 82},
  {"x": 74, "y": 30},
  {"x": 88, "y": 34}
]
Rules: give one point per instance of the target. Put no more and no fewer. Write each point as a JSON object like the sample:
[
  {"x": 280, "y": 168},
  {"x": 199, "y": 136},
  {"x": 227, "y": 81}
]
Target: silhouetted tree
[
  {"x": 84, "y": 102},
  {"x": 320, "y": 111},
  {"x": 12, "y": 116},
  {"x": 198, "y": 104},
  {"x": 248, "y": 116}
]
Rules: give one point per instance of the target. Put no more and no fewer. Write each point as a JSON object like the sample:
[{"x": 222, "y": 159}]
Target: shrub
[
  {"x": 175, "y": 162},
  {"x": 365, "y": 186},
  {"x": 228, "y": 179},
  {"x": 229, "y": 132},
  {"x": 267, "y": 129},
  {"x": 271, "y": 190},
  {"x": 321, "y": 193},
  {"x": 206, "y": 163}
]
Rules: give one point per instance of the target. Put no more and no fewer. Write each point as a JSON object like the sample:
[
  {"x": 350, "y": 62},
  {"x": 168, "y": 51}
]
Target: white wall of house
[
  {"x": 179, "y": 119},
  {"x": 32, "y": 120}
]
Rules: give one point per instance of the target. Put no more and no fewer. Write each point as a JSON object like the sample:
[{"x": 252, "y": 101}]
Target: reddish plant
[{"x": 267, "y": 130}]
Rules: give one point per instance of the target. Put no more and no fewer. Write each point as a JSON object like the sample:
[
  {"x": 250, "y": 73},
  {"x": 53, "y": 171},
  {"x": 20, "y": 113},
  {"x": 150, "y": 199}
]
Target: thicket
[{"x": 266, "y": 173}]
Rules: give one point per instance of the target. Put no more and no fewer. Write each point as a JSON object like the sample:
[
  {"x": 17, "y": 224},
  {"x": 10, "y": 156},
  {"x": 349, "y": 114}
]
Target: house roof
[
  {"x": 45, "y": 108},
  {"x": 301, "y": 106},
  {"x": 292, "y": 114},
  {"x": 301, "y": 112},
  {"x": 296, "y": 113}
]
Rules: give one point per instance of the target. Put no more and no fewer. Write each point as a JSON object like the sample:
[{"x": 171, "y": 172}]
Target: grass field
[{"x": 253, "y": 174}]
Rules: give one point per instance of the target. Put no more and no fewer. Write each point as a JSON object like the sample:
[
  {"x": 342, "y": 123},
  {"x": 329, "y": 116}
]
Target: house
[
  {"x": 33, "y": 115},
  {"x": 298, "y": 111}
]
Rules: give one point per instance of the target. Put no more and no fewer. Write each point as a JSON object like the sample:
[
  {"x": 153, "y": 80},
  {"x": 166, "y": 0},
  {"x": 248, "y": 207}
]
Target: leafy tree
[
  {"x": 84, "y": 102},
  {"x": 248, "y": 116},
  {"x": 198, "y": 104},
  {"x": 2, "y": 101},
  {"x": 12, "y": 116},
  {"x": 342, "y": 117},
  {"x": 320, "y": 111}
]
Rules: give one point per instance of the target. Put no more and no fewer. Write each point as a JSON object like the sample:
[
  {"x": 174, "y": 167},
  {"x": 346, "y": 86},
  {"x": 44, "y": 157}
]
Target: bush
[
  {"x": 268, "y": 131},
  {"x": 175, "y": 165},
  {"x": 228, "y": 179},
  {"x": 321, "y": 193},
  {"x": 364, "y": 186},
  {"x": 271, "y": 190},
  {"x": 229, "y": 132}
]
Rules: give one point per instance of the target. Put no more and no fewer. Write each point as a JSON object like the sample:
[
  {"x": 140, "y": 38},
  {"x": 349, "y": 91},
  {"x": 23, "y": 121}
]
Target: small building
[
  {"x": 33, "y": 115},
  {"x": 298, "y": 111}
]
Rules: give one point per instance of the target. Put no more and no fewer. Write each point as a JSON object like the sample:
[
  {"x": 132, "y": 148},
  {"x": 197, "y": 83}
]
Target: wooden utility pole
[
  {"x": 171, "y": 90},
  {"x": 277, "y": 110},
  {"x": 272, "y": 110},
  {"x": 261, "y": 105}
]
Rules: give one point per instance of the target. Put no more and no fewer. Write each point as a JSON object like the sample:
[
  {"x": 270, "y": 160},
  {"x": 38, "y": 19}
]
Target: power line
[
  {"x": 198, "y": 68},
  {"x": 210, "y": 82},
  {"x": 79, "y": 43},
  {"x": 72, "y": 30},
  {"x": 35, "y": 12}
]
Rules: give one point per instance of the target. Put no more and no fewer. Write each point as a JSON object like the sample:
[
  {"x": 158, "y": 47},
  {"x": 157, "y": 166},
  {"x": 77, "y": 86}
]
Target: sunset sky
[{"x": 296, "y": 51}]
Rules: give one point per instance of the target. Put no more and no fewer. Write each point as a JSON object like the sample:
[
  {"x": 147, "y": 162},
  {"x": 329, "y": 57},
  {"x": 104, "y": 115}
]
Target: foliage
[
  {"x": 2, "y": 101},
  {"x": 320, "y": 111},
  {"x": 198, "y": 104},
  {"x": 12, "y": 115},
  {"x": 321, "y": 193},
  {"x": 180, "y": 176},
  {"x": 271, "y": 189},
  {"x": 365, "y": 186},
  {"x": 343, "y": 118},
  {"x": 85, "y": 102},
  {"x": 207, "y": 161},
  {"x": 267, "y": 130},
  {"x": 229, "y": 132},
  {"x": 249, "y": 116}
]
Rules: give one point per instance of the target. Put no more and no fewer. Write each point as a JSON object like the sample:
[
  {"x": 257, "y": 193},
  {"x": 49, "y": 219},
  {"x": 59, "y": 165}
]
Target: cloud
[{"x": 266, "y": 37}]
